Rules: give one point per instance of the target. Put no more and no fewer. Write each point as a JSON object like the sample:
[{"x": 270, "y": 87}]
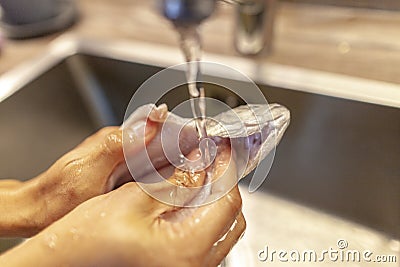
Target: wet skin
[{"x": 127, "y": 227}]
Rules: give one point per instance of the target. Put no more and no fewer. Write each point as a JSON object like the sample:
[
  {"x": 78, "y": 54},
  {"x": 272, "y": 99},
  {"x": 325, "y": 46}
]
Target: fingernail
[{"x": 159, "y": 114}]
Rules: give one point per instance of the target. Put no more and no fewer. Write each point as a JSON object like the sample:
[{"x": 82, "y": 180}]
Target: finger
[
  {"x": 196, "y": 221},
  {"x": 104, "y": 143},
  {"x": 107, "y": 150},
  {"x": 137, "y": 135},
  {"x": 172, "y": 185},
  {"x": 134, "y": 138},
  {"x": 122, "y": 175},
  {"x": 113, "y": 152},
  {"x": 225, "y": 244},
  {"x": 132, "y": 195},
  {"x": 129, "y": 189},
  {"x": 159, "y": 114},
  {"x": 208, "y": 223}
]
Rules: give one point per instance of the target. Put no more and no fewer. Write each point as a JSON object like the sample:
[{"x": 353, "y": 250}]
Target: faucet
[
  {"x": 187, "y": 12},
  {"x": 253, "y": 20}
]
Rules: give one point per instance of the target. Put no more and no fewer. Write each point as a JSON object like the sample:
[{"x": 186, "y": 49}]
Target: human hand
[
  {"x": 127, "y": 227},
  {"x": 79, "y": 175},
  {"x": 85, "y": 172}
]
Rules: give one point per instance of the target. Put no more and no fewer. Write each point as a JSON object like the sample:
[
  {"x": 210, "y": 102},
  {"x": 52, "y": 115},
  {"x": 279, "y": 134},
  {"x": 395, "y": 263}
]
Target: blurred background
[{"x": 73, "y": 66}]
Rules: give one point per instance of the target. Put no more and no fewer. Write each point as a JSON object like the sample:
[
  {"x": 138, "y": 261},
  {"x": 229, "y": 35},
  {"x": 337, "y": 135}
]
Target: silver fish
[{"x": 252, "y": 132}]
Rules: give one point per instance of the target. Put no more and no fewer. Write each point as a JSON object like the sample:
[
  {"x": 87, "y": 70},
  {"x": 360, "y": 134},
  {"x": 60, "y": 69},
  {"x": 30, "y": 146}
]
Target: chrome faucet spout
[
  {"x": 254, "y": 20},
  {"x": 254, "y": 24}
]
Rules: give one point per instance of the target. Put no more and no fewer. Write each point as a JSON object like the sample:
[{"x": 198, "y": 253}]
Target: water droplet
[
  {"x": 51, "y": 240},
  {"x": 75, "y": 234}
]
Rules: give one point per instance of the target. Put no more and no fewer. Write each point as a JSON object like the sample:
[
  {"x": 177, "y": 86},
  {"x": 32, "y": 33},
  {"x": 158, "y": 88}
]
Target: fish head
[{"x": 253, "y": 130}]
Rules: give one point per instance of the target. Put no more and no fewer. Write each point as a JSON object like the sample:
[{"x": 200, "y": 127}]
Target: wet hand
[
  {"x": 79, "y": 175},
  {"x": 127, "y": 227},
  {"x": 85, "y": 172}
]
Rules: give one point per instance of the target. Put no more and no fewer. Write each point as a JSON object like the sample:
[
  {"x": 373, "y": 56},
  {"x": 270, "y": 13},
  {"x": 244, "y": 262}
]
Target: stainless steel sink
[{"x": 339, "y": 160}]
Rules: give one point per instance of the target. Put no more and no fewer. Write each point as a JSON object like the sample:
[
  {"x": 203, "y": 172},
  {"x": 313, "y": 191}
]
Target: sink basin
[{"x": 335, "y": 174}]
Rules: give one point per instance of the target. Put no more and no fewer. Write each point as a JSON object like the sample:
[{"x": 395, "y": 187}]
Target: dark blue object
[{"x": 187, "y": 12}]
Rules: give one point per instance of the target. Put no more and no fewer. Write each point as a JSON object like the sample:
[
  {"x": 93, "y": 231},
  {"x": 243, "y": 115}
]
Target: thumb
[{"x": 127, "y": 142}]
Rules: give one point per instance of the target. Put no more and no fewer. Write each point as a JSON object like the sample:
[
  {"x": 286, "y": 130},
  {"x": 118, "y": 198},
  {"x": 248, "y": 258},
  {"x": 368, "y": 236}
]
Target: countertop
[{"x": 356, "y": 42}]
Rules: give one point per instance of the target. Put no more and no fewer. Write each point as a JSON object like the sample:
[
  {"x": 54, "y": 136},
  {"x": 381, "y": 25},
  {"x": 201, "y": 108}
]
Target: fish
[{"x": 170, "y": 167}]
